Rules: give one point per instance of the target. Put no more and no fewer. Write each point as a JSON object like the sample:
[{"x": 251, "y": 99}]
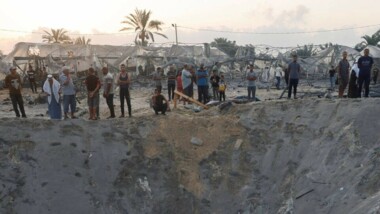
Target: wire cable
[{"x": 280, "y": 33}]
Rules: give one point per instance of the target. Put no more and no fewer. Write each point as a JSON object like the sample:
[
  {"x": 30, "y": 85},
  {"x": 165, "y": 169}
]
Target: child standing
[{"x": 222, "y": 88}]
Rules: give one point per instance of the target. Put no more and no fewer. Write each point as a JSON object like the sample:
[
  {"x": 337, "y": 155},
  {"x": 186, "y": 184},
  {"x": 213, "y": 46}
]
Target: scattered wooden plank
[
  {"x": 303, "y": 193},
  {"x": 189, "y": 99},
  {"x": 238, "y": 144}
]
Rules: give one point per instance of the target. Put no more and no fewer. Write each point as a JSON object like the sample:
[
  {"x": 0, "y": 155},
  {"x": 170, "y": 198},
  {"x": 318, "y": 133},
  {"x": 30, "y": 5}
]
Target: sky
[{"x": 236, "y": 20}]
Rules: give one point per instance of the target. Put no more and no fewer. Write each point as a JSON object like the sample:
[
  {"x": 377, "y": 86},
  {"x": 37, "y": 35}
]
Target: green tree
[
  {"x": 56, "y": 36},
  {"x": 369, "y": 40},
  {"x": 140, "y": 22},
  {"x": 82, "y": 41},
  {"x": 225, "y": 45}
]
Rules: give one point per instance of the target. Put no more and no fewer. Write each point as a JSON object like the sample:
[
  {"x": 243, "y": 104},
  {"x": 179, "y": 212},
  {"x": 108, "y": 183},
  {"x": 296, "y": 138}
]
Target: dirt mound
[{"x": 303, "y": 156}]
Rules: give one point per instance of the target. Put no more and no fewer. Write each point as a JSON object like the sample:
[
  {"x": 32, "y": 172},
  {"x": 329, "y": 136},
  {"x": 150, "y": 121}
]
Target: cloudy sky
[{"x": 238, "y": 20}]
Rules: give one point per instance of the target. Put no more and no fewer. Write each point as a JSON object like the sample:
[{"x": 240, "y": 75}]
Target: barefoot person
[
  {"x": 52, "y": 90},
  {"x": 123, "y": 80},
  {"x": 93, "y": 84},
  {"x": 13, "y": 83},
  {"x": 108, "y": 91}
]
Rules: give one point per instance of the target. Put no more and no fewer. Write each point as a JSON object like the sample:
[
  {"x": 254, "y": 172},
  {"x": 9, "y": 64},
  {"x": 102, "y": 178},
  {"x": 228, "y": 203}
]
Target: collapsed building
[{"x": 138, "y": 59}]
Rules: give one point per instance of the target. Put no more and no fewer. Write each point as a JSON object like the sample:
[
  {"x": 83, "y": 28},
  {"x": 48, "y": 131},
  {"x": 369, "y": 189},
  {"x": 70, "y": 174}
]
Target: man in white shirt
[
  {"x": 278, "y": 75},
  {"x": 108, "y": 87}
]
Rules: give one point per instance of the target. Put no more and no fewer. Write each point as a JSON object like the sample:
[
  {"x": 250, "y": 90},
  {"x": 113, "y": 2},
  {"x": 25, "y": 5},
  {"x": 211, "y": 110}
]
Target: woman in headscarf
[
  {"x": 52, "y": 90},
  {"x": 352, "y": 85}
]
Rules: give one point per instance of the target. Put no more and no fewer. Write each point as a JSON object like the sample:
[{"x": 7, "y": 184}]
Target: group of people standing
[
  {"x": 357, "y": 80},
  {"x": 61, "y": 92},
  {"x": 183, "y": 81},
  {"x": 93, "y": 84}
]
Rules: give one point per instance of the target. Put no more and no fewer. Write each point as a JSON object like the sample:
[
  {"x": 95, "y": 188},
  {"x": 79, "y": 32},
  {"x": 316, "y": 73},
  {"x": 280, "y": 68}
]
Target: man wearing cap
[
  {"x": 13, "y": 83},
  {"x": 68, "y": 91},
  {"x": 294, "y": 74},
  {"x": 52, "y": 88}
]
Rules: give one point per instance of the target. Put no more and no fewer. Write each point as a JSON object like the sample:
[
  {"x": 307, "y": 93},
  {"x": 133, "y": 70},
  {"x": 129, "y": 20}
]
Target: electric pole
[{"x": 176, "y": 35}]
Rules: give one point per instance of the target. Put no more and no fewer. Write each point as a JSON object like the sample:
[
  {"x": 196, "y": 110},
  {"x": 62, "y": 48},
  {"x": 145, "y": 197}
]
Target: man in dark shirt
[
  {"x": 294, "y": 74},
  {"x": 171, "y": 82},
  {"x": 365, "y": 65},
  {"x": 214, "y": 79},
  {"x": 159, "y": 102},
  {"x": 13, "y": 83},
  {"x": 202, "y": 83},
  {"x": 32, "y": 79},
  {"x": 93, "y": 85}
]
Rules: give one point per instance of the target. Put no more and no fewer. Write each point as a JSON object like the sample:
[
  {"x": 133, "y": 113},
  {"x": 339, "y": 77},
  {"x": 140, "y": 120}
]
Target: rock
[
  {"x": 238, "y": 144},
  {"x": 328, "y": 95},
  {"x": 196, "y": 141},
  {"x": 225, "y": 106}
]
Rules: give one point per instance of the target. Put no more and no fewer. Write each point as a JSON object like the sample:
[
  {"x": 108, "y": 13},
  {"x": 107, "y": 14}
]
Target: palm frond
[
  {"x": 155, "y": 24},
  {"x": 126, "y": 28},
  {"x": 161, "y": 34}
]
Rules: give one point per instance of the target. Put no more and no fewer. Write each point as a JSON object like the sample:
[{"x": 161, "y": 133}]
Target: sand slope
[{"x": 147, "y": 164}]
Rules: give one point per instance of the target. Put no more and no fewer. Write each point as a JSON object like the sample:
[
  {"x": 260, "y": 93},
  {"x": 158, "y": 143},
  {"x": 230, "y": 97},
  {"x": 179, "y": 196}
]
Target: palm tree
[
  {"x": 141, "y": 23},
  {"x": 82, "y": 41},
  {"x": 56, "y": 36},
  {"x": 369, "y": 40}
]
